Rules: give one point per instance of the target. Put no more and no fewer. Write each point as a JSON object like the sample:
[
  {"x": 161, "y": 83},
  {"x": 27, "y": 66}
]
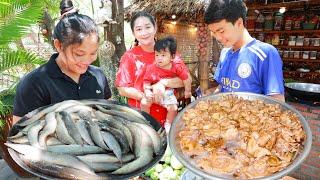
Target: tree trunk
[
  {"x": 113, "y": 47},
  {"x": 48, "y": 26},
  {"x": 114, "y": 32}
]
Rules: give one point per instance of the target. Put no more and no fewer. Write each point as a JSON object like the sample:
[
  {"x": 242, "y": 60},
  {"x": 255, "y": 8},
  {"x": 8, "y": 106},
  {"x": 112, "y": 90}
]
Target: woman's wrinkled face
[
  {"x": 226, "y": 33},
  {"x": 78, "y": 57},
  {"x": 144, "y": 31}
]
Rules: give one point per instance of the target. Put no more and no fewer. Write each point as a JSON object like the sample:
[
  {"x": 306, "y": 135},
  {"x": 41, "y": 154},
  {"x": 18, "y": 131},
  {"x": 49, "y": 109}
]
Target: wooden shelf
[
  {"x": 311, "y": 48},
  {"x": 302, "y": 60},
  {"x": 288, "y": 5},
  {"x": 287, "y": 31},
  {"x": 302, "y": 75},
  {"x": 311, "y": 72}
]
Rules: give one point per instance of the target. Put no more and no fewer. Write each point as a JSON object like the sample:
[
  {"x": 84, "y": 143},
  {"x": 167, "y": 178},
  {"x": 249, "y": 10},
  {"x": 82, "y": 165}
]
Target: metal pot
[
  {"x": 154, "y": 123},
  {"x": 304, "y": 91},
  {"x": 178, "y": 124}
]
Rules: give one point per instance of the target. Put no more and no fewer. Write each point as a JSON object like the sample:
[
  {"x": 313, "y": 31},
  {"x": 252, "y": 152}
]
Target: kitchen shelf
[
  {"x": 301, "y": 60},
  {"x": 294, "y": 7},
  {"x": 311, "y": 48},
  {"x": 289, "y": 5},
  {"x": 316, "y": 31}
]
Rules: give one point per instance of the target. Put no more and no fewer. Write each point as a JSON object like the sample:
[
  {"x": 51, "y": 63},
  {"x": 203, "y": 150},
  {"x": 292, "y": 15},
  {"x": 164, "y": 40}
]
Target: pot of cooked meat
[
  {"x": 240, "y": 136},
  {"x": 304, "y": 91}
]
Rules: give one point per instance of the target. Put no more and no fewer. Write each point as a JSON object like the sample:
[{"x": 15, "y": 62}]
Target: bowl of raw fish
[{"x": 86, "y": 139}]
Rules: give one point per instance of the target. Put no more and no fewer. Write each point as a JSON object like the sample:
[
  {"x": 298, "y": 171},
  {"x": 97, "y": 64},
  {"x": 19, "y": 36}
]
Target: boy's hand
[{"x": 187, "y": 94}]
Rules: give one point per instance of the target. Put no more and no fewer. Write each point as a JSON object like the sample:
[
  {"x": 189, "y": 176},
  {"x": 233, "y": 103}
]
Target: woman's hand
[{"x": 187, "y": 94}]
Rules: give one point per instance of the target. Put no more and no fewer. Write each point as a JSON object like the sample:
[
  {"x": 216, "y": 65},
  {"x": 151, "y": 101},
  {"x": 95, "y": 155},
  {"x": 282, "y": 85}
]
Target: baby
[{"x": 165, "y": 66}]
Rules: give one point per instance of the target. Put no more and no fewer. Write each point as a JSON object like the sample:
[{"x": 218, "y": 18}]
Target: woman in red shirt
[{"x": 129, "y": 80}]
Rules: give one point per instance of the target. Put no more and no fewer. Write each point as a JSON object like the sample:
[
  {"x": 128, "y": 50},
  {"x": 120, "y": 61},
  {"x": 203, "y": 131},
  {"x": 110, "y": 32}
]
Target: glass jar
[
  {"x": 268, "y": 39},
  {"x": 268, "y": 24},
  {"x": 285, "y": 54},
  {"x": 312, "y": 40},
  {"x": 297, "y": 22},
  {"x": 292, "y": 41},
  {"x": 299, "y": 41},
  {"x": 316, "y": 42},
  {"x": 296, "y": 54},
  {"x": 260, "y": 37},
  {"x": 278, "y": 20},
  {"x": 291, "y": 54},
  {"x": 259, "y": 22},
  {"x": 305, "y": 55},
  {"x": 275, "y": 39},
  {"x": 288, "y": 23},
  {"x": 306, "y": 41},
  {"x": 281, "y": 41},
  {"x": 313, "y": 54}
]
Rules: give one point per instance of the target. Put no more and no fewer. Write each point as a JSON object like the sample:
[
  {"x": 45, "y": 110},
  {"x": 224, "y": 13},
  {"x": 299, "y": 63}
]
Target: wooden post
[
  {"x": 203, "y": 54},
  {"x": 204, "y": 73}
]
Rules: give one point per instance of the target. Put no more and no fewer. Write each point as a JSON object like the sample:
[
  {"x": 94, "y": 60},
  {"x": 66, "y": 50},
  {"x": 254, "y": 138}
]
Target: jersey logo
[
  {"x": 98, "y": 91},
  {"x": 244, "y": 70}
]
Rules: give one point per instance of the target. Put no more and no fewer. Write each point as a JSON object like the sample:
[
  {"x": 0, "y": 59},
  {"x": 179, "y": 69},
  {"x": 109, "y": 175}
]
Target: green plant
[{"x": 16, "y": 18}]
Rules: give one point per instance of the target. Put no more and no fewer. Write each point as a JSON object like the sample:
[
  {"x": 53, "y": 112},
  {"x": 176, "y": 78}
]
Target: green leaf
[
  {"x": 6, "y": 102},
  {"x": 16, "y": 18},
  {"x": 53, "y": 7},
  {"x": 10, "y": 59}
]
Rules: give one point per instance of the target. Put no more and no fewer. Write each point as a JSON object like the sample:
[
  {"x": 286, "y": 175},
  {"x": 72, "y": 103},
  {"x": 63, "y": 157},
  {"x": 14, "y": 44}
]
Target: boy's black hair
[
  {"x": 73, "y": 27},
  {"x": 230, "y": 10},
  {"x": 164, "y": 43}
]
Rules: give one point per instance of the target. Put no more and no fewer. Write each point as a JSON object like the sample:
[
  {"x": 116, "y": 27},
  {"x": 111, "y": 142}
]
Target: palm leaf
[
  {"x": 17, "y": 18},
  {"x": 10, "y": 59},
  {"x": 10, "y": 6},
  {"x": 53, "y": 8}
]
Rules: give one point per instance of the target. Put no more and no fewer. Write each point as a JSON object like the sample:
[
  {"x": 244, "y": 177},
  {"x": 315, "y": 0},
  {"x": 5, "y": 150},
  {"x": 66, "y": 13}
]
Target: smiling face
[
  {"x": 144, "y": 31},
  {"x": 163, "y": 59},
  {"x": 76, "y": 58},
  {"x": 228, "y": 34}
]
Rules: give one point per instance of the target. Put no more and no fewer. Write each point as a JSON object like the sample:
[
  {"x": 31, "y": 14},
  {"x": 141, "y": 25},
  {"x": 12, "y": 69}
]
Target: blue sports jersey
[{"x": 256, "y": 68}]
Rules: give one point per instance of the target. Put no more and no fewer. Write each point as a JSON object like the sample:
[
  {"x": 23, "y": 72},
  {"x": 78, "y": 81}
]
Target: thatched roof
[{"x": 191, "y": 9}]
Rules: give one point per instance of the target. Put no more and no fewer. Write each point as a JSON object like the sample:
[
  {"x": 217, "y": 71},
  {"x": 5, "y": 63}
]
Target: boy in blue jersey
[{"x": 246, "y": 64}]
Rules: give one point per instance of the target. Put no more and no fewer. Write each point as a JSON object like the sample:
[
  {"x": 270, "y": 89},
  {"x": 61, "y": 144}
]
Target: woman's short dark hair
[
  {"x": 166, "y": 43},
  {"x": 230, "y": 10},
  {"x": 73, "y": 27},
  {"x": 142, "y": 14}
]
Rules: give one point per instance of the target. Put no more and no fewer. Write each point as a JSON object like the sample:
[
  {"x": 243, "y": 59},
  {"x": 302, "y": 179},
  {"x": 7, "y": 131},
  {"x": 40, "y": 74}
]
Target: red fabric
[
  {"x": 130, "y": 74},
  {"x": 156, "y": 111},
  {"x": 154, "y": 73}
]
